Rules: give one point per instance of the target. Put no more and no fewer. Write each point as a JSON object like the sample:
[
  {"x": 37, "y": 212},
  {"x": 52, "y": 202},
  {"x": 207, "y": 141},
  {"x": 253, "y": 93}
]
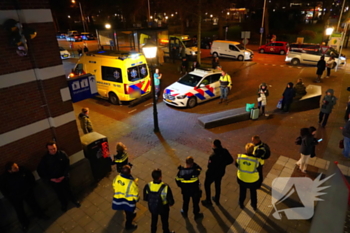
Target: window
[
  {"x": 233, "y": 48},
  {"x": 190, "y": 80},
  {"x": 137, "y": 72},
  {"x": 211, "y": 79},
  {"x": 78, "y": 70},
  {"x": 112, "y": 74},
  {"x": 278, "y": 44}
]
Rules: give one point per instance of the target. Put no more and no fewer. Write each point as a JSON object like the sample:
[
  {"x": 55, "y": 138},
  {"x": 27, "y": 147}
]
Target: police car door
[{"x": 209, "y": 87}]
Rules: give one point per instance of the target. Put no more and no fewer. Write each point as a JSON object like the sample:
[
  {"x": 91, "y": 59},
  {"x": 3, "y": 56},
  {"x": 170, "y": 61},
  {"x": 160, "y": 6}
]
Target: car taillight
[
  {"x": 71, "y": 75},
  {"x": 126, "y": 89}
]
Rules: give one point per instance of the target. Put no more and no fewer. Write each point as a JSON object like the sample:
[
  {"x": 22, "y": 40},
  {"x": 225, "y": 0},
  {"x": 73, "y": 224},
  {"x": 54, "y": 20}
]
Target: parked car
[
  {"x": 74, "y": 38},
  {"x": 195, "y": 87},
  {"x": 87, "y": 36},
  {"x": 61, "y": 35},
  {"x": 230, "y": 49},
  {"x": 280, "y": 47},
  {"x": 64, "y": 53},
  {"x": 310, "y": 54}
]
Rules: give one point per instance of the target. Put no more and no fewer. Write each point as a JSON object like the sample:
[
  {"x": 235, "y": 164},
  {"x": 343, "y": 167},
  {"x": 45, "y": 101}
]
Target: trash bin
[{"x": 97, "y": 151}]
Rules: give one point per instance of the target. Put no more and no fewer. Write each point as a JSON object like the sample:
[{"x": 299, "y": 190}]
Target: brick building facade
[{"x": 35, "y": 104}]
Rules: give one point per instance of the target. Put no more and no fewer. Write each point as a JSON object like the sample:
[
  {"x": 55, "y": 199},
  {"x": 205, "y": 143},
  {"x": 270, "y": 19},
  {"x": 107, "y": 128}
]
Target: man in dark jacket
[
  {"x": 328, "y": 102},
  {"x": 188, "y": 180},
  {"x": 288, "y": 96},
  {"x": 17, "y": 185},
  {"x": 54, "y": 168},
  {"x": 85, "y": 121},
  {"x": 163, "y": 192},
  {"x": 261, "y": 151},
  {"x": 321, "y": 66},
  {"x": 217, "y": 163},
  {"x": 299, "y": 89}
]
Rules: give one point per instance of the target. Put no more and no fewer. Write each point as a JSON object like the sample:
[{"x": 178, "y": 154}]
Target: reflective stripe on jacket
[
  {"x": 262, "y": 152},
  {"x": 120, "y": 158},
  {"x": 153, "y": 187},
  {"x": 247, "y": 168},
  {"x": 225, "y": 80},
  {"x": 126, "y": 194}
]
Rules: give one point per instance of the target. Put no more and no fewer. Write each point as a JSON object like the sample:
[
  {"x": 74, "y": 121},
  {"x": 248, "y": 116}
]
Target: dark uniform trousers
[
  {"x": 129, "y": 215},
  {"x": 195, "y": 200},
  {"x": 209, "y": 179},
  {"x": 18, "y": 205},
  {"x": 164, "y": 216},
  {"x": 243, "y": 186},
  {"x": 63, "y": 191}
]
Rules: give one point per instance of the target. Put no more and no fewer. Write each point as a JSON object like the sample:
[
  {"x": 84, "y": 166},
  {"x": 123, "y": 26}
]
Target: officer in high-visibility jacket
[
  {"x": 126, "y": 194},
  {"x": 153, "y": 192},
  {"x": 225, "y": 85},
  {"x": 248, "y": 175},
  {"x": 188, "y": 180},
  {"x": 121, "y": 158}
]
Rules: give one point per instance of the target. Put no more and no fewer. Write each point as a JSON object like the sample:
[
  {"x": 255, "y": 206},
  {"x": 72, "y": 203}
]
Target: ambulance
[{"x": 120, "y": 76}]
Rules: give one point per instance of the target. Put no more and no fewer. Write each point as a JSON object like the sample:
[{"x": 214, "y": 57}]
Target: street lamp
[
  {"x": 150, "y": 51},
  {"x": 107, "y": 26},
  {"x": 81, "y": 14},
  {"x": 329, "y": 32}
]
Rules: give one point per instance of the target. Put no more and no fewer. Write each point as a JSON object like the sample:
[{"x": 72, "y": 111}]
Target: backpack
[
  {"x": 267, "y": 152},
  {"x": 155, "y": 200}
]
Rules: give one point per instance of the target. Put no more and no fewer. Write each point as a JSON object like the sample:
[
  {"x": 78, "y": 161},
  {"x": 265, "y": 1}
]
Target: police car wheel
[
  {"x": 192, "y": 102},
  {"x": 113, "y": 98}
]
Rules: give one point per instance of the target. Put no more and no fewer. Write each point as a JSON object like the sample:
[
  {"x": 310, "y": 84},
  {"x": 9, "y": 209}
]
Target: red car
[{"x": 279, "y": 47}]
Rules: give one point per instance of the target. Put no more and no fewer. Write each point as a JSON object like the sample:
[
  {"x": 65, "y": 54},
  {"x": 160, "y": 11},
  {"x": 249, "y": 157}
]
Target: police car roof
[
  {"x": 111, "y": 53},
  {"x": 204, "y": 71}
]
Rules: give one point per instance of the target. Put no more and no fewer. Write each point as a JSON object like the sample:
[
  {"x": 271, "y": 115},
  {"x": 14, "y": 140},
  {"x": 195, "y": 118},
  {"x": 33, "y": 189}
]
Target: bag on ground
[
  {"x": 279, "y": 104},
  {"x": 249, "y": 106},
  {"x": 254, "y": 113}
]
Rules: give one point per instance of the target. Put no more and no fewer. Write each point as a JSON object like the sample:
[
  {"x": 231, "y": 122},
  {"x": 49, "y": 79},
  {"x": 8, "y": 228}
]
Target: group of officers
[{"x": 159, "y": 195}]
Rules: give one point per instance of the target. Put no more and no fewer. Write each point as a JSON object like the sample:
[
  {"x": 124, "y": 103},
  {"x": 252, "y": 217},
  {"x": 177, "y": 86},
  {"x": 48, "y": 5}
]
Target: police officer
[
  {"x": 54, "y": 167},
  {"x": 151, "y": 193},
  {"x": 217, "y": 163},
  {"x": 261, "y": 151},
  {"x": 121, "y": 158},
  {"x": 17, "y": 185},
  {"x": 225, "y": 84},
  {"x": 188, "y": 180},
  {"x": 248, "y": 175},
  {"x": 126, "y": 194}
]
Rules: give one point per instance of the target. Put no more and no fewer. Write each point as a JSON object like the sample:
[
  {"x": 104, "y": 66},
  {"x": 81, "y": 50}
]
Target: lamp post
[
  {"x": 81, "y": 14},
  {"x": 150, "y": 51},
  {"x": 329, "y": 32},
  {"x": 262, "y": 23}
]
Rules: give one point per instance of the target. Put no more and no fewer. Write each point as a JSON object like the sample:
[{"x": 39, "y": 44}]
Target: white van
[{"x": 230, "y": 49}]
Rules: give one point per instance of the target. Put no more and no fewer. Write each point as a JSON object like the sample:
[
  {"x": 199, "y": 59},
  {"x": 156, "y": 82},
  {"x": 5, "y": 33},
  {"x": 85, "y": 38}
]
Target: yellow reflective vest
[
  {"x": 153, "y": 187},
  {"x": 225, "y": 80},
  {"x": 247, "y": 168},
  {"x": 126, "y": 193}
]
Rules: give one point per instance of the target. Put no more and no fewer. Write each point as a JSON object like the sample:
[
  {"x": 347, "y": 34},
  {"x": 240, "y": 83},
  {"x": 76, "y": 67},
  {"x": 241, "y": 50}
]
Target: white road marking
[
  {"x": 290, "y": 66},
  {"x": 265, "y": 64},
  {"x": 282, "y": 65},
  {"x": 273, "y": 65},
  {"x": 148, "y": 104},
  {"x": 132, "y": 111},
  {"x": 299, "y": 67}
]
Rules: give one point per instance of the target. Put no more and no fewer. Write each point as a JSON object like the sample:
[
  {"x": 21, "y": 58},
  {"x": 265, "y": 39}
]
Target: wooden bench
[
  {"x": 224, "y": 118},
  {"x": 309, "y": 101}
]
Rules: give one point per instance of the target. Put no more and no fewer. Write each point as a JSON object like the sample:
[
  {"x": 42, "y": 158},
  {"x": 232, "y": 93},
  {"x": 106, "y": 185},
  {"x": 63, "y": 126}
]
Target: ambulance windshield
[{"x": 137, "y": 72}]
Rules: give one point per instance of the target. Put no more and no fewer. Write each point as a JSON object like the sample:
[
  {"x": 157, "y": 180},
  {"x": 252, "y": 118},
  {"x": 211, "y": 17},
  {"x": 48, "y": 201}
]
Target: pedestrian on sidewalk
[
  {"x": 86, "y": 49},
  {"x": 17, "y": 184},
  {"x": 225, "y": 85},
  {"x": 85, "y": 121},
  {"x": 54, "y": 168},
  {"x": 121, "y": 158},
  {"x": 157, "y": 77},
  {"x": 195, "y": 65},
  {"x": 299, "y": 89},
  {"x": 217, "y": 163},
  {"x": 313, "y": 132},
  {"x": 126, "y": 194},
  {"x": 287, "y": 96},
  {"x": 261, "y": 151},
  {"x": 159, "y": 198},
  {"x": 248, "y": 175},
  {"x": 174, "y": 53},
  {"x": 215, "y": 62},
  {"x": 330, "y": 64},
  {"x": 328, "y": 102},
  {"x": 346, "y": 135},
  {"x": 80, "y": 51},
  {"x": 184, "y": 66},
  {"x": 321, "y": 66},
  {"x": 347, "y": 110},
  {"x": 263, "y": 93},
  {"x": 188, "y": 180},
  {"x": 306, "y": 149}
]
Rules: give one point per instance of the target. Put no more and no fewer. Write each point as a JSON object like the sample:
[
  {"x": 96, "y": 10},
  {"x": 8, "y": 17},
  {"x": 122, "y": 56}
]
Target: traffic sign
[
  {"x": 245, "y": 34},
  {"x": 245, "y": 41}
]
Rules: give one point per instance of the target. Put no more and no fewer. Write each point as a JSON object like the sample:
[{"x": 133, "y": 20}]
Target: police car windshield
[
  {"x": 137, "y": 72},
  {"x": 190, "y": 80}
]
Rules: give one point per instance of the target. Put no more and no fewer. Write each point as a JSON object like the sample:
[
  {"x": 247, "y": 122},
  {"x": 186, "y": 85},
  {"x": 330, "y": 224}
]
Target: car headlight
[
  {"x": 181, "y": 97},
  {"x": 193, "y": 52},
  {"x": 246, "y": 53}
]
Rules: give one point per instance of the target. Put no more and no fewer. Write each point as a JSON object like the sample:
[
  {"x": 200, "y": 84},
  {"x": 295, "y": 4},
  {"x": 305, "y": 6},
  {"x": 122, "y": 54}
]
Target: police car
[{"x": 195, "y": 87}]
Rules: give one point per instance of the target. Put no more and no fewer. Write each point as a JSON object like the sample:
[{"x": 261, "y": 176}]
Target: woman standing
[
  {"x": 288, "y": 96},
  {"x": 263, "y": 93},
  {"x": 248, "y": 175},
  {"x": 329, "y": 65},
  {"x": 306, "y": 148},
  {"x": 121, "y": 158}
]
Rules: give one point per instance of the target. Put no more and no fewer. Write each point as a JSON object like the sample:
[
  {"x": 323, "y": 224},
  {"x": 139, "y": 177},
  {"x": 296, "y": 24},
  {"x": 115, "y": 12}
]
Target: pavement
[{"x": 181, "y": 135}]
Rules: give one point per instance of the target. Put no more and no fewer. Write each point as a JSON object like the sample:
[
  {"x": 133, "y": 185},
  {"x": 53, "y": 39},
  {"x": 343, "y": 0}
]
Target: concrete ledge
[
  {"x": 309, "y": 101},
  {"x": 224, "y": 118}
]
